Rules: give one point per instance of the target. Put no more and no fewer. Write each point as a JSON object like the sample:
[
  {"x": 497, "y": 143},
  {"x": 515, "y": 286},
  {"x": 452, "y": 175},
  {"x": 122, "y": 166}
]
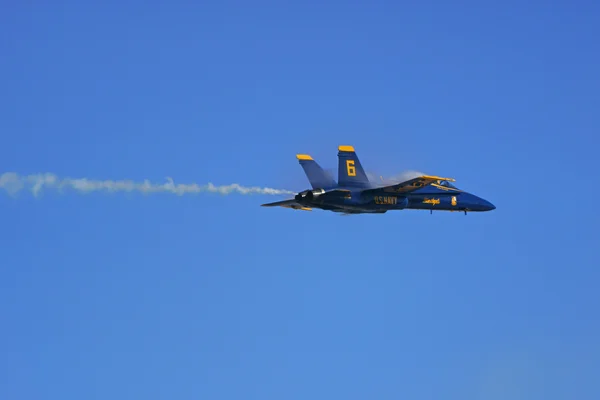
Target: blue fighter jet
[{"x": 353, "y": 193}]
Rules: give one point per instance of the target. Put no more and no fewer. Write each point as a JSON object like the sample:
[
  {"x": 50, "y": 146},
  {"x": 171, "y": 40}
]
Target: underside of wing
[
  {"x": 409, "y": 185},
  {"x": 287, "y": 204}
]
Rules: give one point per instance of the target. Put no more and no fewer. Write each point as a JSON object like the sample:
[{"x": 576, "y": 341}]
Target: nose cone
[
  {"x": 487, "y": 206},
  {"x": 478, "y": 204}
]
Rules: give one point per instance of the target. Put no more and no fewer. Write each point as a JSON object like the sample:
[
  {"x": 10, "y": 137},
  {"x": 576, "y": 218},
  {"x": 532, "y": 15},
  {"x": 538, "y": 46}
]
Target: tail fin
[
  {"x": 318, "y": 178},
  {"x": 350, "y": 171}
]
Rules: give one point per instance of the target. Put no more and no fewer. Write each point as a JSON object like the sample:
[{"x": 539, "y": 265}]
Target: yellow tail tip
[
  {"x": 346, "y": 148},
  {"x": 303, "y": 157}
]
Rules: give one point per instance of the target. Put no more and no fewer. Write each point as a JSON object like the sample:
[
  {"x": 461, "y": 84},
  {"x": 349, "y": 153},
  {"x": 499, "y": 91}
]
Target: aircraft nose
[
  {"x": 479, "y": 204},
  {"x": 487, "y": 205}
]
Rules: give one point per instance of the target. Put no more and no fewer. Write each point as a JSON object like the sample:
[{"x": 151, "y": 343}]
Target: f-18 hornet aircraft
[{"x": 353, "y": 193}]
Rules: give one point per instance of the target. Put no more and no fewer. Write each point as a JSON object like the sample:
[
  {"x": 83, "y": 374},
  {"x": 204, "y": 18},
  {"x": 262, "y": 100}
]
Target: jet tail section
[
  {"x": 318, "y": 178},
  {"x": 350, "y": 171}
]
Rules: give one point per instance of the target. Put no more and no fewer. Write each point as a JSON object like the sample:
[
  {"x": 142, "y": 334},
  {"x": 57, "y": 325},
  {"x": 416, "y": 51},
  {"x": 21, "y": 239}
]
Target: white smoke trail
[{"x": 13, "y": 183}]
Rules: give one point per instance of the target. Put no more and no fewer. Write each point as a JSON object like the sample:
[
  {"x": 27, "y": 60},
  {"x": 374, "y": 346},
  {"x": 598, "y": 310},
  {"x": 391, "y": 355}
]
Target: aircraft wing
[
  {"x": 409, "y": 185},
  {"x": 287, "y": 204}
]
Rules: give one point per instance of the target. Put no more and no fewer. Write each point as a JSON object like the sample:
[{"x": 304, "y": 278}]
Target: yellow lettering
[
  {"x": 431, "y": 201},
  {"x": 385, "y": 200},
  {"x": 350, "y": 168}
]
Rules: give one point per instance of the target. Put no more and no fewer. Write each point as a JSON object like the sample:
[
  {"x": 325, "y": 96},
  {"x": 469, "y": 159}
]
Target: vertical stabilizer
[
  {"x": 318, "y": 178},
  {"x": 350, "y": 171}
]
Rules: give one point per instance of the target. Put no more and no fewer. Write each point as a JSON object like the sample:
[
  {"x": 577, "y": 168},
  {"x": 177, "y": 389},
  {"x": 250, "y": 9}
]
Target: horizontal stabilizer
[{"x": 287, "y": 204}]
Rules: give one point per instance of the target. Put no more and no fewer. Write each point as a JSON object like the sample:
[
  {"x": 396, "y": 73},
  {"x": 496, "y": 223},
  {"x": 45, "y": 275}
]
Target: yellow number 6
[{"x": 350, "y": 167}]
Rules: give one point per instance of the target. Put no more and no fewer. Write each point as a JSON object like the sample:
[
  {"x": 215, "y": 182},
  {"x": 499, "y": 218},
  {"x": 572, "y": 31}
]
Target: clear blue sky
[{"x": 121, "y": 296}]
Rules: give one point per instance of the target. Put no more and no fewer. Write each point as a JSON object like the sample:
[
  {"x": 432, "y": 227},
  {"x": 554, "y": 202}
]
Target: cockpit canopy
[{"x": 446, "y": 184}]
